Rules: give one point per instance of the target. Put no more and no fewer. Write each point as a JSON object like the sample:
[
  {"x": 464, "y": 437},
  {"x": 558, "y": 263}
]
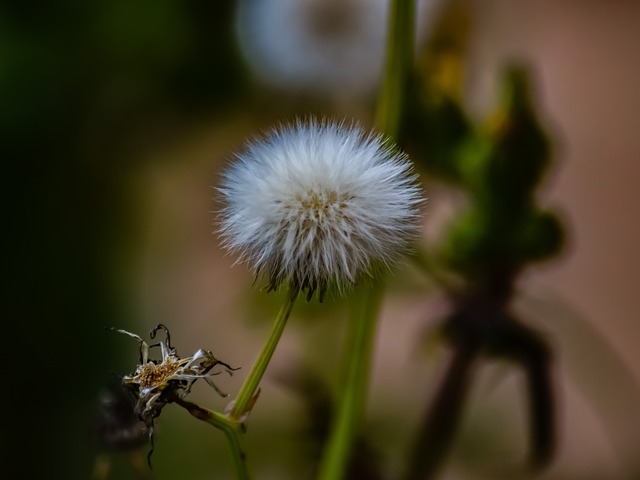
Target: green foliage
[{"x": 499, "y": 166}]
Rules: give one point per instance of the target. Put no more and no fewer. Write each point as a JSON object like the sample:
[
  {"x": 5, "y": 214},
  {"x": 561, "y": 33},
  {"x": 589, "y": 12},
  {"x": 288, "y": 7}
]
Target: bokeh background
[{"x": 116, "y": 119}]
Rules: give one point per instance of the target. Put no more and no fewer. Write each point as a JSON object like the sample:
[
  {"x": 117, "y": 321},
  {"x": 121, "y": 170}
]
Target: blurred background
[{"x": 116, "y": 119}]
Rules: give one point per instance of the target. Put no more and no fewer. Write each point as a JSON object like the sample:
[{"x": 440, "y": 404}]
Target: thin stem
[
  {"x": 358, "y": 352},
  {"x": 443, "y": 416},
  {"x": 362, "y": 327},
  {"x": 244, "y": 401},
  {"x": 398, "y": 63},
  {"x": 231, "y": 431}
]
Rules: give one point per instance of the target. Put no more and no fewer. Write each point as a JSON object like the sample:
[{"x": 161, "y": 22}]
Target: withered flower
[{"x": 156, "y": 383}]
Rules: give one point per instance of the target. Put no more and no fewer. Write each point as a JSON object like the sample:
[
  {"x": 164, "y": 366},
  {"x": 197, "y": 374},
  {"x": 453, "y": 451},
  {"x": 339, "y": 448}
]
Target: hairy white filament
[{"x": 319, "y": 202}]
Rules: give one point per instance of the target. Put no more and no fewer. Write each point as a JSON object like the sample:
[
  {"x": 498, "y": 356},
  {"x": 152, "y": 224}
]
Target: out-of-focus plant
[
  {"x": 487, "y": 247},
  {"x": 118, "y": 430},
  {"x": 498, "y": 165}
]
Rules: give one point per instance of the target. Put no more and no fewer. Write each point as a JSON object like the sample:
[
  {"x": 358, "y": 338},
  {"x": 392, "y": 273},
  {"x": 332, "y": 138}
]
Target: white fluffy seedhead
[{"x": 319, "y": 203}]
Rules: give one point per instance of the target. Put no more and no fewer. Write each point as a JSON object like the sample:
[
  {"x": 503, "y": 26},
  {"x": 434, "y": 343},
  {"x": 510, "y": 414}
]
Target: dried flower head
[
  {"x": 319, "y": 202},
  {"x": 156, "y": 383}
]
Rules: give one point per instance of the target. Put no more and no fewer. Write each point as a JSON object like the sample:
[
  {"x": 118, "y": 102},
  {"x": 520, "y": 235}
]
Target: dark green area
[{"x": 83, "y": 87}]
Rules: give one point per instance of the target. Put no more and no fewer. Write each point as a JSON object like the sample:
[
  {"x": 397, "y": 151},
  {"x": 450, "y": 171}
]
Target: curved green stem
[
  {"x": 358, "y": 352},
  {"x": 231, "y": 431},
  {"x": 247, "y": 394}
]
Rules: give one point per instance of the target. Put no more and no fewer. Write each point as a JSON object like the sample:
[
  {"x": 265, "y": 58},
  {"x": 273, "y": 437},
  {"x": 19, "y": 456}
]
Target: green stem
[
  {"x": 362, "y": 327},
  {"x": 398, "y": 64},
  {"x": 358, "y": 352},
  {"x": 231, "y": 431},
  {"x": 247, "y": 394}
]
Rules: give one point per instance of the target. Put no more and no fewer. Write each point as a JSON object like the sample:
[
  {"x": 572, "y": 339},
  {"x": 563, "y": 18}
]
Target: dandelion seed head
[{"x": 319, "y": 203}]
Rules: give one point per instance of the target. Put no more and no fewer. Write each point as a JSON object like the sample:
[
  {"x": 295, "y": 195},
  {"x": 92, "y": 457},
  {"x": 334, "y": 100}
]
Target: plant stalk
[
  {"x": 362, "y": 325},
  {"x": 231, "y": 431},
  {"x": 247, "y": 394},
  {"x": 398, "y": 64},
  {"x": 358, "y": 353}
]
